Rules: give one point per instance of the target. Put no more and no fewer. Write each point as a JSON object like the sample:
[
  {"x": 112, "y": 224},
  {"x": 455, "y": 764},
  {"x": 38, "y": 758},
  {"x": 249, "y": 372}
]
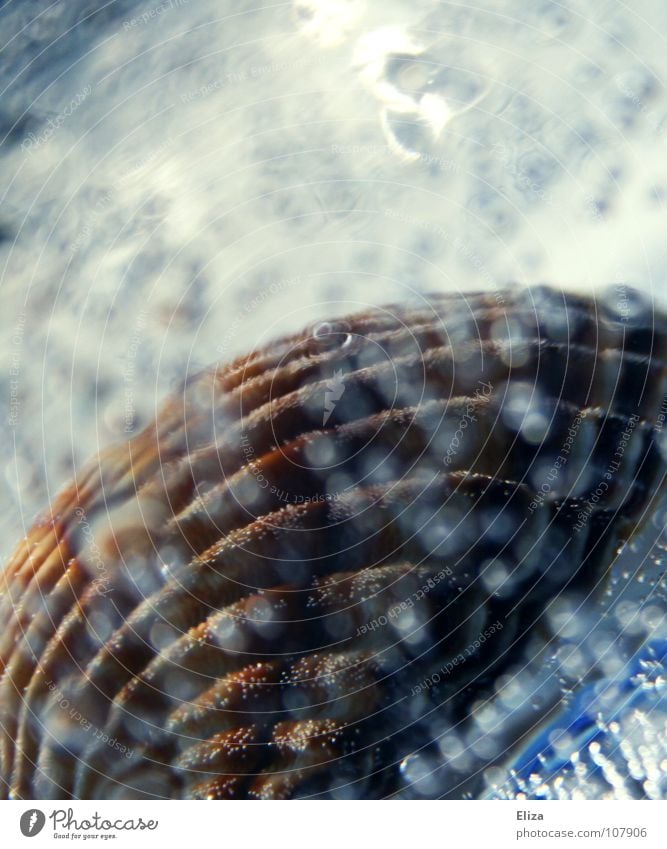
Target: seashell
[{"x": 317, "y": 555}]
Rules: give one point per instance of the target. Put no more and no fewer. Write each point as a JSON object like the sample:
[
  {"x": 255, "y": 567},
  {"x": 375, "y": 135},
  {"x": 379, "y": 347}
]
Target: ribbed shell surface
[{"x": 261, "y": 595}]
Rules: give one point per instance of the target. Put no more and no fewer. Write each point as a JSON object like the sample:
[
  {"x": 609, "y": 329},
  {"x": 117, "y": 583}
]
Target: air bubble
[
  {"x": 408, "y": 73},
  {"x": 418, "y": 772},
  {"x": 554, "y": 20},
  {"x": 525, "y": 411},
  {"x": 321, "y": 453},
  {"x": 329, "y": 335},
  {"x": 162, "y": 635},
  {"x": 494, "y": 575}
]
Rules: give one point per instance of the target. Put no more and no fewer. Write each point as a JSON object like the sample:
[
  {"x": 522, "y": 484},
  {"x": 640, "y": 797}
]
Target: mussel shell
[{"x": 263, "y": 594}]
